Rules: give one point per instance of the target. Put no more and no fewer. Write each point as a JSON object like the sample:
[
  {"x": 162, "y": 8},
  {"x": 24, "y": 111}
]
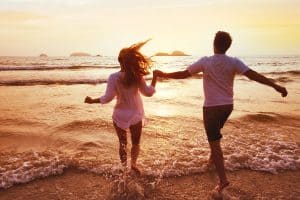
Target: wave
[
  {"x": 276, "y": 63},
  {"x": 20, "y": 122},
  {"x": 283, "y": 79},
  {"x": 292, "y": 72},
  {"x": 50, "y": 82},
  {"x": 260, "y": 117},
  {"x": 36, "y": 165},
  {"x": 45, "y": 68},
  {"x": 23, "y": 167},
  {"x": 83, "y": 124},
  {"x": 32, "y": 82},
  {"x": 252, "y": 147},
  {"x": 270, "y": 117}
]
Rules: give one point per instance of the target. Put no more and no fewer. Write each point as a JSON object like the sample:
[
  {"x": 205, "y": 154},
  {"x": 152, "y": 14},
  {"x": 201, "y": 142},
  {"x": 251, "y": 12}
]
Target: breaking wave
[
  {"x": 45, "y": 68},
  {"x": 50, "y": 82},
  {"x": 258, "y": 149},
  {"x": 291, "y": 72},
  {"x": 271, "y": 157}
]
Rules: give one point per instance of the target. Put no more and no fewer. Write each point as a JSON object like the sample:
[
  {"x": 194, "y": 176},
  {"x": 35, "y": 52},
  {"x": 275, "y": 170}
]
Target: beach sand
[{"x": 245, "y": 184}]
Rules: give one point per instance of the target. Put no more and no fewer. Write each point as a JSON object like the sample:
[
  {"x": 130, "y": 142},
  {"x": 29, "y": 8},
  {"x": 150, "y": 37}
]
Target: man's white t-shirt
[{"x": 218, "y": 76}]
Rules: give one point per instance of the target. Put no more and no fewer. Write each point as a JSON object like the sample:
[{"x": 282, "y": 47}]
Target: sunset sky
[{"x": 58, "y": 28}]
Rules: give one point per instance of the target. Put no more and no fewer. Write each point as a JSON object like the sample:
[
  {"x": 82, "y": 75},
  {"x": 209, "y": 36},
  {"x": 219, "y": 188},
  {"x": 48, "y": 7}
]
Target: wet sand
[{"x": 245, "y": 184}]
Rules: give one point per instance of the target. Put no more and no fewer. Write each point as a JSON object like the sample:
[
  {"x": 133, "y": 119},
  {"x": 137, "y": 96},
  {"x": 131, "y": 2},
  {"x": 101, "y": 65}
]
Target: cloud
[
  {"x": 15, "y": 21},
  {"x": 19, "y": 16}
]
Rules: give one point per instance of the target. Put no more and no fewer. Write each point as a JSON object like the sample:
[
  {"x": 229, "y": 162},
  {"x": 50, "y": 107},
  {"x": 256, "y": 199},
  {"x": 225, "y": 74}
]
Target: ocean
[{"x": 45, "y": 127}]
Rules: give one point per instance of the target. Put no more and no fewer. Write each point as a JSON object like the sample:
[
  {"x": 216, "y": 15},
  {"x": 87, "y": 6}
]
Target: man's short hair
[{"x": 222, "y": 41}]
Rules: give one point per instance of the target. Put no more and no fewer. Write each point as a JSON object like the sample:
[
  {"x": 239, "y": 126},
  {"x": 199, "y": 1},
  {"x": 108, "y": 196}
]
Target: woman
[{"x": 126, "y": 85}]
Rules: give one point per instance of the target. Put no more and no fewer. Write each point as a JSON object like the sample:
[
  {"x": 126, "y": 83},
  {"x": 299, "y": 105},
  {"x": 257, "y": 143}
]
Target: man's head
[{"x": 222, "y": 42}]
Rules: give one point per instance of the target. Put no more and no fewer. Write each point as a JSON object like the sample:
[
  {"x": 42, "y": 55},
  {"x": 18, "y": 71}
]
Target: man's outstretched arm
[
  {"x": 175, "y": 75},
  {"x": 253, "y": 75}
]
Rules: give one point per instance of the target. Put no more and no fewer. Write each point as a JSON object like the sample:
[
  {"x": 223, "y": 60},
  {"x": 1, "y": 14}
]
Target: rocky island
[
  {"x": 174, "y": 53},
  {"x": 43, "y": 55}
]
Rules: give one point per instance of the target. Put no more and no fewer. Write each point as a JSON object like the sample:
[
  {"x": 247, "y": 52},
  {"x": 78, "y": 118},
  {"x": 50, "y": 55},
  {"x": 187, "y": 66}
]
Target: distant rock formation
[
  {"x": 161, "y": 54},
  {"x": 174, "y": 53},
  {"x": 80, "y": 54},
  {"x": 43, "y": 55},
  {"x": 98, "y": 55},
  {"x": 178, "y": 53}
]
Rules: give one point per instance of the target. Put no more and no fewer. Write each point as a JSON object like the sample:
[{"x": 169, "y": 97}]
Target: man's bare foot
[
  {"x": 221, "y": 185},
  {"x": 136, "y": 170}
]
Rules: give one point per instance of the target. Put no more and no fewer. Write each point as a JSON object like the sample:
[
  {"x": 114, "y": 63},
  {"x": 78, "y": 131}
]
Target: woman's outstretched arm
[
  {"x": 109, "y": 95},
  {"x": 90, "y": 100}
]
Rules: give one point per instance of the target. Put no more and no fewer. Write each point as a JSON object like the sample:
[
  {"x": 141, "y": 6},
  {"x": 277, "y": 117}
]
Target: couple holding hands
[{"x": 218, "y": 77}]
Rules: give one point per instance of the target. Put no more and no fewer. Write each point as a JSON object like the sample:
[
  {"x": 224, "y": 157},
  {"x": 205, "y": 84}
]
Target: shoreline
[{"x": 78, "y": 184}]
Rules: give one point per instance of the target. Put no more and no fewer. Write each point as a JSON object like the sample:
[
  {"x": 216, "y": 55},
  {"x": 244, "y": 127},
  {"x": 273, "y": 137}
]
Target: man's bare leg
[
  {"x": 210, "y": 161},
  {"x": 218, "y": 159}
]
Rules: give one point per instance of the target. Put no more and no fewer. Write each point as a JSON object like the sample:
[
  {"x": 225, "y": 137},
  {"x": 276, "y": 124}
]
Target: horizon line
[{"x": 103, "y": 55}]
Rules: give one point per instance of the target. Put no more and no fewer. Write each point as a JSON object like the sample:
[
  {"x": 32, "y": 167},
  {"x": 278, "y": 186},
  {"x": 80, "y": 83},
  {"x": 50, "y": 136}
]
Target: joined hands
[{"x": 159, "y": 73}]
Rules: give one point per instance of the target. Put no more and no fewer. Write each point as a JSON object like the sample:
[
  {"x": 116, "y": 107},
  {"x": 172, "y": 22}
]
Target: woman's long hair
[{"x": 134, "y": 64}]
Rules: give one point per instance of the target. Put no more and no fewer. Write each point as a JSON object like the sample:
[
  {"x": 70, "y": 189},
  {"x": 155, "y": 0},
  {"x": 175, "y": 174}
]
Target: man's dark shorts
[{"x": 214, "y": 118}]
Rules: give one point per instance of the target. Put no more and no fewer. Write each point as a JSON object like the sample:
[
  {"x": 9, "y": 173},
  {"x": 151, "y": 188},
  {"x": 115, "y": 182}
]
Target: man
[{"x": 218, "y": 76}]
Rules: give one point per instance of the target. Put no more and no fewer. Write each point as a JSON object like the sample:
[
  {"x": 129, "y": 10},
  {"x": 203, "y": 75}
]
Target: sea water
[{"x": 45, "y": 127}]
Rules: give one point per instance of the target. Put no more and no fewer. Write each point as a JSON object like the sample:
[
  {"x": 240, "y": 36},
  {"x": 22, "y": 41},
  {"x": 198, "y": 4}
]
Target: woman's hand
[
  {"x": 88, "y": 100},
  {"x": 154, "y": 79}
]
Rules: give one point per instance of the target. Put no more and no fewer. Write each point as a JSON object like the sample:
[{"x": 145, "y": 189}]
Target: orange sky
[{"x": 29, "y": 27}]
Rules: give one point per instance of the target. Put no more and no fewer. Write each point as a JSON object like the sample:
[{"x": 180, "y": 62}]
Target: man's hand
[
  {"x": 158, "y": 73},
  {"x": 281, "y": 90},
  {"x": 88, "y": 100}
]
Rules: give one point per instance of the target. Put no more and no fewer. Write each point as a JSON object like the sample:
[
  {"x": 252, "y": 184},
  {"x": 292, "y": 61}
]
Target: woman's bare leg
[
  {"x": 122, "y": 144},
  {"x": 136, "y": 131},
  {"x": 135, "y": 151}
]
